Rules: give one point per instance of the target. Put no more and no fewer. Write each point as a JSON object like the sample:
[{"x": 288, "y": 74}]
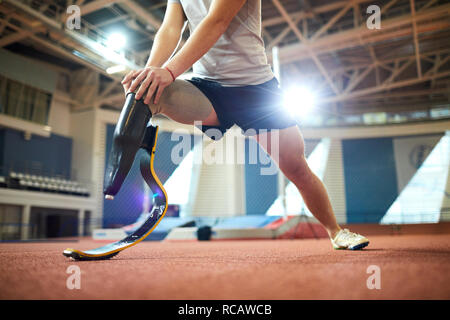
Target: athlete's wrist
[
  {"x": 171, "y": 72},
  {"x": 175, "y": 68}
]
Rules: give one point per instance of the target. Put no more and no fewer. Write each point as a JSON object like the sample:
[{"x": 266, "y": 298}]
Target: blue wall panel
[
  {"x": 260, "y": 190},
  {"x": 48, "y": 156},
  {"x": 370, "y": 178}
]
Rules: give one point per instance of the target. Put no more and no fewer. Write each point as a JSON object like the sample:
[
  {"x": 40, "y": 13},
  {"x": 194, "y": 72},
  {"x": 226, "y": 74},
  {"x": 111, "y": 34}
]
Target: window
[{"x": 23, "y": 101}]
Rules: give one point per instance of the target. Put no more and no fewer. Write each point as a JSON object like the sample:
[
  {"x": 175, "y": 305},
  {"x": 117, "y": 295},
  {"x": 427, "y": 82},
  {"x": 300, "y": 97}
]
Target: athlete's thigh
[
  {"x": 185, "y": 103},
  {"x": 284, "y": 145}
]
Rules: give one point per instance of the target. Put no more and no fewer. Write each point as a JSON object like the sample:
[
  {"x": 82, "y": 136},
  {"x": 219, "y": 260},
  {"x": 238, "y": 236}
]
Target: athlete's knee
[
  {"x": 170, "y": 96},
  {"x": 155, "y": 108},
  {"x": 296, "y": 168}
]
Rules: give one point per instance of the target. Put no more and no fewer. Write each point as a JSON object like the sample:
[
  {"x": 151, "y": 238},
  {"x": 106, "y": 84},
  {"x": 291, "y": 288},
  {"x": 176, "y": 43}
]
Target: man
[{"x": 233, "y": 84}]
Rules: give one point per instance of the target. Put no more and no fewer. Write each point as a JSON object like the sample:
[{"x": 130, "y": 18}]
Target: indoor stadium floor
[{"x": 412, "y": 267}]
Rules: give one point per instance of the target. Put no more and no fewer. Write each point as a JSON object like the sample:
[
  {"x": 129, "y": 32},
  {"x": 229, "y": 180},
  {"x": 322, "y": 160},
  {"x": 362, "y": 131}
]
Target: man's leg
[
  {"x": 185, "y": 103},
  {"x": 291, "y": 161},
  {"x": 181, "y": 101}
]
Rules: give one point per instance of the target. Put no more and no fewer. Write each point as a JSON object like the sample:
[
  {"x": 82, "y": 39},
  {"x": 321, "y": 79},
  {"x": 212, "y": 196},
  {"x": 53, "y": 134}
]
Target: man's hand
[
  {"x": 128, "y": 79},
  {"x": 149, "y": 80}
]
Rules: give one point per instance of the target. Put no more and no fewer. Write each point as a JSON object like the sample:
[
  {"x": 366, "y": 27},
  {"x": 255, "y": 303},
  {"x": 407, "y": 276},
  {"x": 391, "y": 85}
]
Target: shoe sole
[
  {"x": 360, "y": 246},
  {"x": 357, "y": 247}
]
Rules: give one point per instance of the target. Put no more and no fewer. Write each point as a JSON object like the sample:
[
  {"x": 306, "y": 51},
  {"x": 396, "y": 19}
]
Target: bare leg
[
  {"x": 185, "y": 103},
  {"x": 292, "y": 163}
]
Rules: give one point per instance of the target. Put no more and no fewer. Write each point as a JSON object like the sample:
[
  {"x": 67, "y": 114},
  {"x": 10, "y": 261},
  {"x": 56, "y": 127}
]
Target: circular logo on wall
[{"x": 419, "y": 154}]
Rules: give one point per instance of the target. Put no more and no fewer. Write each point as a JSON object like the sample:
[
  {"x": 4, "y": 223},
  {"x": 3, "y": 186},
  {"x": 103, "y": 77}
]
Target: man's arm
[
  {"x": 200, "y": 41},
  {"x": 206, "y": 34},
  {"x": 165, "y": 42},
  {"x": 168, "y": 36}
]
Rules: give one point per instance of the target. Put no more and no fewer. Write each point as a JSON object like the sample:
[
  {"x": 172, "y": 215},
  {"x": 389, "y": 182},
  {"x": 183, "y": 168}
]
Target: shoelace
[{"x": 348, "y": 235}]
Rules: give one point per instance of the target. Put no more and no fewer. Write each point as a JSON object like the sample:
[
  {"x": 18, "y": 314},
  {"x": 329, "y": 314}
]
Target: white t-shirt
[{"x": 238, "y": 57}]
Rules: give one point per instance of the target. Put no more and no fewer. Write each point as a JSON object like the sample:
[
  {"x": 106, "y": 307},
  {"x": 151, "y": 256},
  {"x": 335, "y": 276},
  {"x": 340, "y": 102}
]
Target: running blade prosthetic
[{"x": 157, "y": 213}]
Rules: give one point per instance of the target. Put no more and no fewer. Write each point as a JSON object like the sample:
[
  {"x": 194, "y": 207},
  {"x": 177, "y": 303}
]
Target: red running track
[{"x": 412, "y": 267}]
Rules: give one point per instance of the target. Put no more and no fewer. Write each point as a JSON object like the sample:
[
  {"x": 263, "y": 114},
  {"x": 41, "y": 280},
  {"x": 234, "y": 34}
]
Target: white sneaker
[{"x": 349, "y": 240}]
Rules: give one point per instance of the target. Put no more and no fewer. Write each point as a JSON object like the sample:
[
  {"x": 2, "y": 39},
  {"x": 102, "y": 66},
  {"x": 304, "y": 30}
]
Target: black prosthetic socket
[{"x": 128, "y": 137}]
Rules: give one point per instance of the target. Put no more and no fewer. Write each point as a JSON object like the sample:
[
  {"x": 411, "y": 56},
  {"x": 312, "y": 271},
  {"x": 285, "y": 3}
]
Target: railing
[
  {"x": 375, "y": 119},
  {"x": 32, "y": 181},
  {"x": 85, "y": 34}
]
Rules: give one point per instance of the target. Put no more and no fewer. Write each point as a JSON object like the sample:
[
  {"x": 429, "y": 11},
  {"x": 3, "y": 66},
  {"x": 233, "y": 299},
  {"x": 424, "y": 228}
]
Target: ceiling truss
[{"x": 325, "y": 43}]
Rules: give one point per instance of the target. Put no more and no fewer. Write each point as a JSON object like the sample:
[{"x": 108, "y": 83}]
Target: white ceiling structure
[{"x": 401, "y": 67}]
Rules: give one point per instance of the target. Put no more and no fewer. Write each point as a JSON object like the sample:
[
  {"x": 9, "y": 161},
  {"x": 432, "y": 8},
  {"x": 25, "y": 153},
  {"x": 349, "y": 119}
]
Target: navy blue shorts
[{"x": 251, "y": 107}]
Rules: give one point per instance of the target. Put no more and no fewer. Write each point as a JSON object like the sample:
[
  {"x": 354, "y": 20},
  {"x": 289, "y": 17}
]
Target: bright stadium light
[
  {"x": 299, "y": 101},
  {"x": 116, "y": 41}
]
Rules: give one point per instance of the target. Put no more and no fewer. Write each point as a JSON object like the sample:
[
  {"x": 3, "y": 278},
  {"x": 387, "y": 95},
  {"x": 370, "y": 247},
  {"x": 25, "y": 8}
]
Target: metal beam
[
  {"x": 387, "y": 6},
  {"x": 303, "y": 14},
  {"x": 405, "y": 93},
  {"x": 282, "y": 35},
  {"x": 382, "y": 87},
  {"x": 332, "y": 21},
  {"x": 429, "y": 4},
  {"x": 78, "y": 38},
  {"x": 402, "y": 106},
  {"x": 433, "y": 19},
  {"x": 416, "y": 40},
  {"x": 300, "y": 36},
  {"x": 381, "y": 62},
  {"x": 97, "y": 5},
  {"x": 17, "y": 36},
  {"x": 62, "y": 51},
  {"x": 437, "y": 65},
  {"x": 358, "y": 79},
  {"x": 142, "y": 13},
  {"x": 397, "y": 71}
]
